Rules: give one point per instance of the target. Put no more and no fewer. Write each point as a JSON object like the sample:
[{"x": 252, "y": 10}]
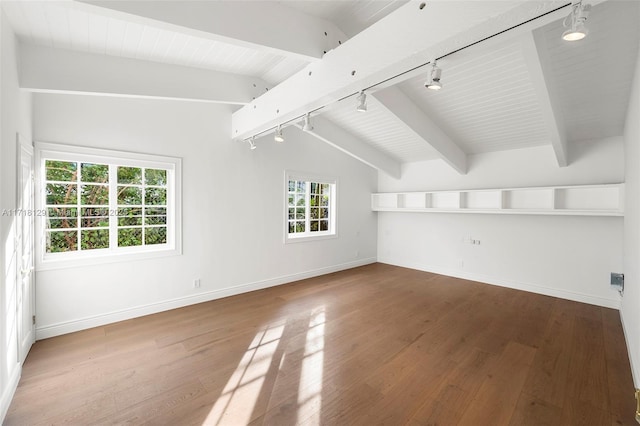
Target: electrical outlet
[{"x": 196, "y": 283}]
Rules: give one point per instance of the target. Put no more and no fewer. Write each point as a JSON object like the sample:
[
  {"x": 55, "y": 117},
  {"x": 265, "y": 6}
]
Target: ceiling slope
[
  {"x": 256, "y": 25},
  {"x": 516, "y": 89}
]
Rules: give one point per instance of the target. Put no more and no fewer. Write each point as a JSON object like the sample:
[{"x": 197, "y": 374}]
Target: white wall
[
  {"x": 565, "y": 256},
  {"x": 15, "y": 113},
  {"x": 630, "y": 311},
  {"x": 232, "y": 210}
]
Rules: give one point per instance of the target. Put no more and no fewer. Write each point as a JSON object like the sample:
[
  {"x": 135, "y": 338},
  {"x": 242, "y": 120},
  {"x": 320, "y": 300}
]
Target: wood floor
[{"x": 372, "y": 345}]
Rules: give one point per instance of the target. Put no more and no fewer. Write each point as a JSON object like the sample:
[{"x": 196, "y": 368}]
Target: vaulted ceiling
[{"x": 518, "y": 84}]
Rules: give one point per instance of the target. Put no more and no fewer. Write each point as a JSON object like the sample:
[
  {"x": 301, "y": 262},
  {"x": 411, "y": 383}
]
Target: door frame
[{"x": 24, "y": 345}]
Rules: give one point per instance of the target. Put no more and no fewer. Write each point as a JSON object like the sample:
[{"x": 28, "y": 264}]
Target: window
[
  {"x": 310, "y": 207},
  {"x": 103, "y": 204}
]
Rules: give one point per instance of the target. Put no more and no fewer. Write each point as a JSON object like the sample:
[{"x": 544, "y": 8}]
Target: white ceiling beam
[
  {"x": 44, "y": 69},
  {"x": 539, "y": 72},
  {"x": 404, "y": 39},
  {"x": 395, "y": 102},
  {"x": 337, "y": 137},
  {"x": 261, "y": 25}
]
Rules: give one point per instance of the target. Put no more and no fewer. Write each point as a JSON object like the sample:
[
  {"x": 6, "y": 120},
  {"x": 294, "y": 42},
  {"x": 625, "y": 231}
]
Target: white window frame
[
  {"x": 333, "y": 219},
  {"x": 54, "y": 151}
]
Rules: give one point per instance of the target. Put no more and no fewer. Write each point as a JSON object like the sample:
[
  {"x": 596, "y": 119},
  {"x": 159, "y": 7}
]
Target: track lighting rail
[{"x": 307, "y": 116}]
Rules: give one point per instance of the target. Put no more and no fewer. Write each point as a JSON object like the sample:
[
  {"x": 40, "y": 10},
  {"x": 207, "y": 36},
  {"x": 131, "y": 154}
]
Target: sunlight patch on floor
[
  {"x": 236, "y": 404},
  {"x": 310, "y": 389}
]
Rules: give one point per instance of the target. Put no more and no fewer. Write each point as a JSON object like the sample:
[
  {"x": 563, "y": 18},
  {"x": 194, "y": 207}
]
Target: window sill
[
  {"x": 310, "y": 238},
  {"x": 101, "y": 259}
]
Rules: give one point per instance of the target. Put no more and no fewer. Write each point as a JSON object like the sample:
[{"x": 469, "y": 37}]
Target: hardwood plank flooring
[{"x": 372, "y": 345}]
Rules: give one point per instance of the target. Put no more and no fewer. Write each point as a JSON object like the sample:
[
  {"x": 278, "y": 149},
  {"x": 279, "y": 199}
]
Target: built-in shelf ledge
[{"x": 579, "y": 200}]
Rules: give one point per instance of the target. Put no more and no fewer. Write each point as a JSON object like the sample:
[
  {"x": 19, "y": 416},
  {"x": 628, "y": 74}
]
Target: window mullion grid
[
  {"x": 307, "y": 208},
  {"x": 79, "y": 203},
  {"x": 331, "y": 224},
  {"x": 113, "y": 207},
  {"x": 168, "y": 226},
  {"x": 144, "y": 203}
]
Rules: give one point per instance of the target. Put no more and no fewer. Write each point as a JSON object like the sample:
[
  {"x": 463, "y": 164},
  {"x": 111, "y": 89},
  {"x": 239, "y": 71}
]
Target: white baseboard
[
  {"x": 634, "y": 373},
  {"x": 8, "y": 392},
  {"x": 52, "y": 330},
  {"x": 548, "y": 291}
]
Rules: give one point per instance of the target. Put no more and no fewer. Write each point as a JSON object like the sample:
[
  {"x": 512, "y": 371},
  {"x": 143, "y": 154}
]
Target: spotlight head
[
  {"x": 307, "y": 126},
  {"x": 575, "y": 22},
  {"x": 278, "y": 136},
  {"x": 362, "y": 102},
  {"x": 575, "y": 34},
  {"x": 433, "y": 83},
  {"x": 252, "y": 143}
]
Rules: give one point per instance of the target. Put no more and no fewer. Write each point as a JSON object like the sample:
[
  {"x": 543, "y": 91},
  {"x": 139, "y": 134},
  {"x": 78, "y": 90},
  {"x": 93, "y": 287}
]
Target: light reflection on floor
[
  {"x": 236, "y": 404},
  {"x": 310, "y": 389}
]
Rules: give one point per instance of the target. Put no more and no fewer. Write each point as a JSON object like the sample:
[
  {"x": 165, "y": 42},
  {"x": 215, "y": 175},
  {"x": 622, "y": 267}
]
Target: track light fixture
[
  {"x": 307, "y": 126},
  {"x": 278, "y": 136},
  {"x": 433, "y": 83},
  {"x": 576, "y": 30},
  {"x": 362, "y": 102},
  {"x": 252, "y": 143}
]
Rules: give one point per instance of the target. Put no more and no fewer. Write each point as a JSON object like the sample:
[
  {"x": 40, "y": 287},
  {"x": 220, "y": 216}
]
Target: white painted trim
[
  {"x": 173, "y": 165},
  {"x": 9, "y": 391},
  {"x": 152, "y": 308},
  {"x": 516, "y": 285},
  {"x": 634, "y": 374}
]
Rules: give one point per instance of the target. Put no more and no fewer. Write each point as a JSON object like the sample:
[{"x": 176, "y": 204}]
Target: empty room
[{"x": 314, "y": 212}]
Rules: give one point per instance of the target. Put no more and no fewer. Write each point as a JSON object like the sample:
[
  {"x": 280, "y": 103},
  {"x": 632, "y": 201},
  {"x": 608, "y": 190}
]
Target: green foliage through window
[
  {"x": 308, "y": 205},
  {"x": 137, "y": 224},
  {"x": 80, "y": 213}
]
